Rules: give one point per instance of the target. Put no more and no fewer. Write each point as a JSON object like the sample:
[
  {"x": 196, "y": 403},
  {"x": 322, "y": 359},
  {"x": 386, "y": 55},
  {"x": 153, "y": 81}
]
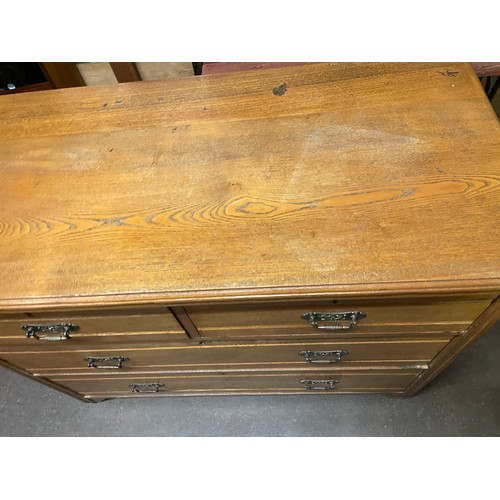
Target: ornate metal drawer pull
[
  {"x": 348, "y": 319},
  {"x": 115, "y": 360},
  {"x": 323, "y": 356},
  {"x": 145, "y": 387},
  {"x": 320, "y": 385},
  {"x": 62, "y": 329}
]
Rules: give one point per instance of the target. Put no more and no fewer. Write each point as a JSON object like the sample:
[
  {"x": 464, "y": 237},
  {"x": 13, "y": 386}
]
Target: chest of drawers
[{"x": 327, "y": 228}]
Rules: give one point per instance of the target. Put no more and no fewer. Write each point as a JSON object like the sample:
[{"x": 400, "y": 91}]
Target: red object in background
[{"x": 486, "y": 68}]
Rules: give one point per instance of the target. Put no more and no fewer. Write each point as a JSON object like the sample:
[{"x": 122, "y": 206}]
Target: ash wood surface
[
  {"x": 399, "y": 315},
  {"x": 94, "y": 323},
  {"x": 118, "y": 386},
  {"x": 226, "y": 357},
  {"x": 231, "y": 67},
  {"x": 300, "y": 180}
]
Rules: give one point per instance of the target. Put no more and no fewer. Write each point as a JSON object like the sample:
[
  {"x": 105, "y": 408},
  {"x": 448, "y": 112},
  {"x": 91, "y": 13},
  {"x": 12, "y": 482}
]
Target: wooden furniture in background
[
  {"x": 108, "y": 73},
  {"x": 125, "y": 71},
  {"x": 299, "y": 230},
  {"x": 62, "y": 74}
]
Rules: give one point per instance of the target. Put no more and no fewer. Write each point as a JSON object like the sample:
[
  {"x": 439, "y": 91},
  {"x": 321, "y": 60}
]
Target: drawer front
[
  {"x": 296, "y": 319},
  {"x": 228, "y": 357},
  {"x": 319, "y": 382},
  {"x": 87, "y": 327}
]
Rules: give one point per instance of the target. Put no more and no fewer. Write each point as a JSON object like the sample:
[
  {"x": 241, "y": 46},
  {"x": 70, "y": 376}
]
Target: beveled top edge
[{"x": 180, "y": 298}]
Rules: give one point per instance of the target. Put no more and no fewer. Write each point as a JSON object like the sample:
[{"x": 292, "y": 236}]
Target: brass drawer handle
[
  {"x": 62, "y": 329},
  {"x": 145, "y": 387},
  {"x": 323, "y": 356},
  {"x": 320, "y": 385},
  {"x": 347, "y": 320},
  {"x": 115, "y": 360}
]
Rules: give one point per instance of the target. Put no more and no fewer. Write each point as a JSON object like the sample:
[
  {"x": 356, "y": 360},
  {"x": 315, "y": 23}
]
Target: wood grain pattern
[
  {"x": 215, "y": 187},
  {"x": 227, "y": 357},
  {"x": 231, "y": 67},
  {"x": 92, "y": 324},
  {"x": 118, "y": 386},
  {"x": 435, "y": 314}
]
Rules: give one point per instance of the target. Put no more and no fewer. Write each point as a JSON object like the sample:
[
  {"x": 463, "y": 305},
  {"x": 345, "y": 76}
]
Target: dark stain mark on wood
[
  {"x": 117, "y": 221},
  {"x": 105, "y": 104},
  {"x": 448, "y": 73},
  {"x": 280, "y": 90}
]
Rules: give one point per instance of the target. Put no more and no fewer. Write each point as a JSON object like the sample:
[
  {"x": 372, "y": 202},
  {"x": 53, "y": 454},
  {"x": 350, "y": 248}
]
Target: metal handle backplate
[
  {"x": 105, "y": 362},
  {"x": 146, "y": 387},
  {"x": 323, "y": 356},
  {"x": 319, "y": 385},
  {"x": 339, "y": 321},
  {"x": 62, "y": 330}
]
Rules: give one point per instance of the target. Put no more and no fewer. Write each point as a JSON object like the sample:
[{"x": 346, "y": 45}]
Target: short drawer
[
  {"x": 48, "y": 330},
  {"x": 229, "y": 356},
  {"x": 337, "y": 317},
  {"x": 317, "y": 382}
]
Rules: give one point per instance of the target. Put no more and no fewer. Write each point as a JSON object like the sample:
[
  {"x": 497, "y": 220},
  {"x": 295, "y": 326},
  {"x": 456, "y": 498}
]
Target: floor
[{"x": 463, "y": 401}]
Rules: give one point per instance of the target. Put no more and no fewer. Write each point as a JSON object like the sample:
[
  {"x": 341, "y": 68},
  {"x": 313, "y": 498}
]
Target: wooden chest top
[{"x": 328, "y": 178}]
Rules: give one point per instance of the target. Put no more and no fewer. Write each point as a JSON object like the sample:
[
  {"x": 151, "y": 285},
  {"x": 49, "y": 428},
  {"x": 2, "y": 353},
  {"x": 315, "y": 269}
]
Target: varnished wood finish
[
  {"x": 92, "y": 323},
  {"x": 269, "y": 319},
  {"x": 62, "y": 74},
  {"x": 447, "y": 355},
  {"x": 260, "y": 180},
  {"x": 219, "y": 207},
  {"x": 231, "y": 67},
  {"x": 185, "y": 321},
  {"x": 118, "y": 386},
  {"x": 125, "y": 71},
  {"x": 229, "y": 356}
]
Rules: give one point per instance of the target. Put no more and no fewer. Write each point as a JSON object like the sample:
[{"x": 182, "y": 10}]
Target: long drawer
[
  {"x": 319, "y": 382},
  {"x": 229, "y": 356},
  {"x": 86, "y": 328},
  {"x": 337, "y": 317}
]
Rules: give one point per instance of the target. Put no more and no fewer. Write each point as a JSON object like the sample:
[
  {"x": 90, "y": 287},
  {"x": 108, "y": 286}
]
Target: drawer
[
  {"x": 296, "y": 318},
  {"x": 89, "y": 327},
  {"x": 318, "y": 382},
  {"x": 228, "y": 357}
]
